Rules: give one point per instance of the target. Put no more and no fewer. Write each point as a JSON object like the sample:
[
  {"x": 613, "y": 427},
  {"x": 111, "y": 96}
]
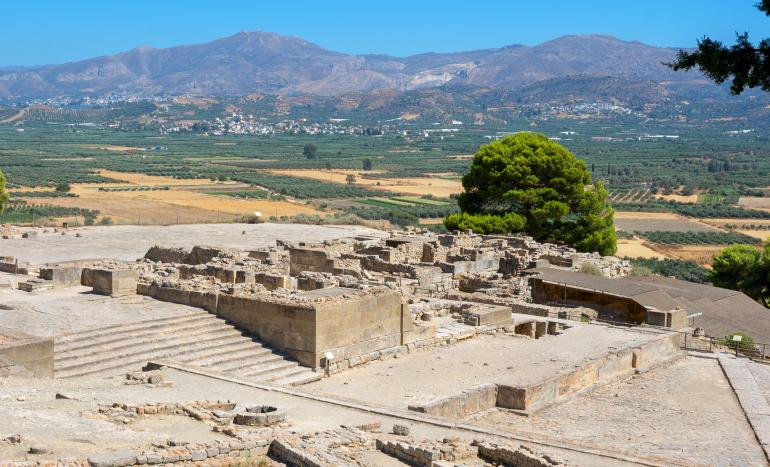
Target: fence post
[
  {"x": 711, "y": 343},
  {"x": 763, "y": 351},
  {"x": 685, "y": 340}
]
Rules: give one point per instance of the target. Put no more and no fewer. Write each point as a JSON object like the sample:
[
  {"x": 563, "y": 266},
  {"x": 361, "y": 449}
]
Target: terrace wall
[{"x": 27, "y": 357}]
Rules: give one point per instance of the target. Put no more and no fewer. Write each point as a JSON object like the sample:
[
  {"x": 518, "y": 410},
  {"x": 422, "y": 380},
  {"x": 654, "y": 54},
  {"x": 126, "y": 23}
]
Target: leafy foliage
[
  {"x": 743, "y": 63},
  {"x": 545, "y": 186},
  {"x": 678, "y": 268},
  {"x": 3, "y": 194},
  {"x": 744, "y": 268},
  {"x": 310, "y": 151},
  {"x": 746, "y": 342}
]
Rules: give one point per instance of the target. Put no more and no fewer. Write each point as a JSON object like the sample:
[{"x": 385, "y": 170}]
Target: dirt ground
[
  {"x": 439, "y": 187},
  {"x": 686, "y": 410},
  {"x": 444, "y": 371},
  {"x": 30, "y": 408},
  {"x": 644, "y": 215},
  {"x": 71, "y": 309},
  {"x": 760, "y": 234},
  {"x": 680, "y": 198},
  {"x": 754, "y": 202},
  {"x": 645, "y": 223},
  {"x": 129, "y": 242},
  {"x": 186, "y": 201},
  {"x": 636, "y": 248},
  {"x": 701, "y": 254}
]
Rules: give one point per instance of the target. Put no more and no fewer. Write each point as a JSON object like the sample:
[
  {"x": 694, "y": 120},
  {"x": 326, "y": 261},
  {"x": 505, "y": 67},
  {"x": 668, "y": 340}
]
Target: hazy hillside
[{"x": 257, "y": 62}]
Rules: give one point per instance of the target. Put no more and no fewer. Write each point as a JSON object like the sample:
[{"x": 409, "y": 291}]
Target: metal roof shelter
[{"x": 723, "y": 311}]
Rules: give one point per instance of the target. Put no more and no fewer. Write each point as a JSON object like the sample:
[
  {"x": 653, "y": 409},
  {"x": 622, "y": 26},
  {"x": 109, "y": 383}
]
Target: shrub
[
  {"x": 592, "y": 269},
  {"x": 746, "y": 343}
]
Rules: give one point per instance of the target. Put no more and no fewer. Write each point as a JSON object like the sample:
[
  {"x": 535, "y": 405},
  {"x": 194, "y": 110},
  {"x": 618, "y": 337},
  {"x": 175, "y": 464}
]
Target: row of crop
[
  {"x": 694, "y": 210},
  {"x": 134, "y": 188},
  {"x": 678, "y": 268},
  {"x": 402, "y": 215},
  {"x": 18, "y": 212},
  {"x": 42, "y": 194},
  {"x": 302, "y": 188},
  {"x": 255, "y": 194},
  {"x": 695, "y": 237}
]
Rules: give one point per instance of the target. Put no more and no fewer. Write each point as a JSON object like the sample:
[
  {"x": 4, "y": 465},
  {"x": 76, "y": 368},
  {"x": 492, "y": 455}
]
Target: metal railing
[{"x": 756, "y": 351}]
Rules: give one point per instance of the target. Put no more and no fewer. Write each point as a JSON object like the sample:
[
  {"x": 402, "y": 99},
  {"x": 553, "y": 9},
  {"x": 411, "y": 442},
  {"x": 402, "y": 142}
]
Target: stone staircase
[{"x": 197, "y": 339}]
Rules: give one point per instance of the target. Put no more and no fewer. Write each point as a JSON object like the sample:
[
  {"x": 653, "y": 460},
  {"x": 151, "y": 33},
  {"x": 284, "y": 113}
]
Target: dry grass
[
  {"x": 184, "y": 202},
  {"x": 680, "y": 198},
  {"x": 760, "y": 234},
  {"x": 754, "y": 202},
  {"x": 138, "y": 179},
  {"x": 636, "y": 248},
  {"x": 645, "y": 215},
  {"x": 431, "y": 220},
  {"x": 701, "y": 254},
  {"x": 418, "y": 186}
]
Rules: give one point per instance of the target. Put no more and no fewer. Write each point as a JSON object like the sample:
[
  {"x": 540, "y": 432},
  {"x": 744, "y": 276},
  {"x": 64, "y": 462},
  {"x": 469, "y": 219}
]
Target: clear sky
[{"x": 34, "y": 32}]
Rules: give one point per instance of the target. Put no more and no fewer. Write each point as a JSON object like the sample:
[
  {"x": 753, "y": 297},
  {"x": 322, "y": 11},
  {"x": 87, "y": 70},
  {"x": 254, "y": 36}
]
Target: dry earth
[
  {"x": 686, "y": 410},
  {"x": 129, "y": 242},
  {"x": 636, "y": 248},
  {"x": 444, "y": 371}
]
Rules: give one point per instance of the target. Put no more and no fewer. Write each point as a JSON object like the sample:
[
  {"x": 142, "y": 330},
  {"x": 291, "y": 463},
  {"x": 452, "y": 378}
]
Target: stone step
[
  {"x": 132, "y": 340},
  {"x": 257, "y": 372},
  {"x": 121, "y": 329},
  {"x": 284, "y": 373},
  {"x": 220, "y": 351},
  {"x": 236, "y": 361},
  {"x": 168, "y": 349},
  {"x": 197, "y": 339},
  {"x": 298, "y": 379}
]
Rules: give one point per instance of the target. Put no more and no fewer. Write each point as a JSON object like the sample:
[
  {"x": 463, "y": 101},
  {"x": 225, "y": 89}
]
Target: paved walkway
[{"x": 750, "y": 396}]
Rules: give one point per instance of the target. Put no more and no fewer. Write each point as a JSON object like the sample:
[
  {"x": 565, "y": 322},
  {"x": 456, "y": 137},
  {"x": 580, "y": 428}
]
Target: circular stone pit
[{"x": 260, "y": 415}]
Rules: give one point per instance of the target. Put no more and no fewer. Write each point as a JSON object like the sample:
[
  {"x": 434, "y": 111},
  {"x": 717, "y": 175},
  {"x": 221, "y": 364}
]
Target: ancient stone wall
[{"x": 27, "y": 357}]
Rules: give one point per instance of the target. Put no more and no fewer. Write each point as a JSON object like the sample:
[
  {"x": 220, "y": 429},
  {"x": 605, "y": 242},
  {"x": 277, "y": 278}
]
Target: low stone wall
[
  {"x": 286, "y": 453},
  {"x": 27, "y": 357},
  {"x": 466, "y": 403},
  {"x": 115, "y": 283},
  {"x": 412, "y": 455},
  {"x": 602, "y": 370},
  {"x": 11, "y": 265},
  {"x": 488, "y": 314},
  {"x": 62, "y": 276},
  {"x": 523, "y": 456},
  {"x": 206, "y": 300},
  {"x": 558, "y": 388},
  {"x": 167, "y": 254}
]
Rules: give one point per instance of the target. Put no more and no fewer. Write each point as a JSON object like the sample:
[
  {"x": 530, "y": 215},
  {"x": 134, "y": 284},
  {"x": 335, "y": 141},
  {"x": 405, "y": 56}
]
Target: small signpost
[{"x": 737, "y": 339}]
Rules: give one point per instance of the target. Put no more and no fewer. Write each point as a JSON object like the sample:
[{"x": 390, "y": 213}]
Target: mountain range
[{"x": 267, "y": 63}]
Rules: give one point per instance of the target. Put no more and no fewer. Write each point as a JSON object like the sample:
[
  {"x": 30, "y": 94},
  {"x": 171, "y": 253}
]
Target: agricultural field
[
  {"x": 636, "y": 248},
  {"x": 668, "y": 237},
  {"x": 754, "y": 202},
  {"x": 637, "y": 222},
  {"x": 136, "y": 173}
]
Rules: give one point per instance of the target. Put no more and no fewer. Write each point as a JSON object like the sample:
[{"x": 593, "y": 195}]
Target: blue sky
[{"x": 36, "y": 32}]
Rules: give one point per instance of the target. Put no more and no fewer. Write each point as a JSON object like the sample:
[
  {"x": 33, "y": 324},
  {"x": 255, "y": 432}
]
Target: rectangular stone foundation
[{"x": 556, "y": 389}]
